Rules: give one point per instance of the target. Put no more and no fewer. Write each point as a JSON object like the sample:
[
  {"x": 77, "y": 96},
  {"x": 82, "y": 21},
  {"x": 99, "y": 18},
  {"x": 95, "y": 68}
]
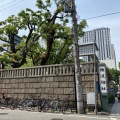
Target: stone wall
[
  {"x": 50, "y": 81},
  {"x": 44, "y": 87},
  {"x": 47, "y": 82}
]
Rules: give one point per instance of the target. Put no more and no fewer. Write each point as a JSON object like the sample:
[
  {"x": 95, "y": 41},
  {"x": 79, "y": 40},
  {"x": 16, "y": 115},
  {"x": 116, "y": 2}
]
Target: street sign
[
  {"x": 103, "y": 80},
  {"x": 112, "y": 90}
]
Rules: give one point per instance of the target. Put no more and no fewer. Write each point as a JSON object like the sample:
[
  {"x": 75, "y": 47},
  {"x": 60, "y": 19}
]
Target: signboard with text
[
  {"x": 91, "y": 98},
  {"x": 102, "y": 74},
  {"x": 112, "y": 90}
]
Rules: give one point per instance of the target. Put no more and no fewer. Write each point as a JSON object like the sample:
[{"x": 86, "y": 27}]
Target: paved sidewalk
[{"x": 115, "y": 108}]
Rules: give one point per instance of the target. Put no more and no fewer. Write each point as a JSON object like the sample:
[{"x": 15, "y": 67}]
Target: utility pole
[
  {"x": 79, "y": 90},
  {"x": 95, "y": 77},
  {"x": 70, "y": 8}
]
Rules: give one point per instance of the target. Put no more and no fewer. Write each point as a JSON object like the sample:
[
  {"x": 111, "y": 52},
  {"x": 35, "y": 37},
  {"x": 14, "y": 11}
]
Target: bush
[{"x": 111, "y": 98}]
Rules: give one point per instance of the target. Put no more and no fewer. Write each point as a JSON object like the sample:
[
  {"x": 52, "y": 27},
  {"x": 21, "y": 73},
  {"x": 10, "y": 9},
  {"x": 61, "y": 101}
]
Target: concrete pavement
[
  {"x": 115, "y": 108},
  {"x": 8, "y": 114},
  {"x": 25, "y": 115}
]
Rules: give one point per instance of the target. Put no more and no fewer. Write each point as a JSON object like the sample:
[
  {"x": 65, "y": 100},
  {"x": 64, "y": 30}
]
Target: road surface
[{"x": 25, "y": 115}]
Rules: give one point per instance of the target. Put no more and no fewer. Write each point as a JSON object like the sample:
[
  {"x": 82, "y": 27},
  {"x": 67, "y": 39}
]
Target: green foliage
[
  {"x": 48, "y": 39},
  {"x": 28, "y": 63},
  {"x": 111, "y": 98},
  {"x": 115, "y": 74}
]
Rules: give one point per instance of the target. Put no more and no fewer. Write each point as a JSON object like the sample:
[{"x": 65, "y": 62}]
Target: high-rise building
[{"x": 101, "y": 37}]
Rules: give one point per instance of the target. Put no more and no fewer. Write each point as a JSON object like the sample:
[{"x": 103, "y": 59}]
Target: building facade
[
  {"x": 101, "y": 37},
  {"x": 17, "y": 40}
]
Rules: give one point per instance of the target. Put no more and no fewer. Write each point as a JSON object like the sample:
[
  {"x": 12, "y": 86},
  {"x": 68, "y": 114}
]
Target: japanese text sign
[{"x": 102, "y": 74}]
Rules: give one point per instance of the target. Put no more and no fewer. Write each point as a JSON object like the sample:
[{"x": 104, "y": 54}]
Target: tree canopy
[
  {"x": 47, "y": 38},
  {"x": 115, "y": 73}
]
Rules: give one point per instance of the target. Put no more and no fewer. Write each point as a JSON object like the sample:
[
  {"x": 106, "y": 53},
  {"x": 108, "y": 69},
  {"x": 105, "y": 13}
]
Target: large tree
[
  {"x": 47, "y": 38},
  {"x": 115, "y": 73}
]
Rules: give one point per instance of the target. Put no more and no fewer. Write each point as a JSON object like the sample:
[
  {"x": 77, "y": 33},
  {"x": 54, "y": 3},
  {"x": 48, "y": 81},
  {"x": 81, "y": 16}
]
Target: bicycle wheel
[
  {"x": 63, "y": 110},
  {"x": 13, "y": 107},
  {"x": 39, "y": 108},
  {"x": 46, "y": 107},
  {"x": 21, "y": 107},
  {"x": 28, "y": 107},
  {"x": 3, "y": 106},
  {"x": 53, "y": 110}
]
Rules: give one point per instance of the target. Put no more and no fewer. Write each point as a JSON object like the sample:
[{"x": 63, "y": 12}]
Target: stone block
[
  {"x": 26, "y": 91},
  {"x": 4, "y": 91},
  {"x": 49, "y": 90},
  {"x": 3, "y": 86},
  {"x": 6, "y": 81},
  {"x": 63, "y": 84},
  {"x": 8, "y": 86},
  {"x": 61, "y": 97},
  {"x": 59, "y": 78},
  {"x": 12, "y": 80},
  {"x": 36, "y": 85},
  {"x": 16, "y": 91},
  {"x": 9, "y": 91},
  {"x": 44, "y": 85},
  {"x": 27, "y": 80},
  {"x": 53, "y": 84},
  {"x": 14, "y": 85},
  {"x": 20, "y": 95},
  {"x": 14, "y": 96},
  {"x": 71, "y": 84},
  {"x": 49, "y": 79},
  {"x": 20, "y": 80},
  {"x": 32, "y": 90},
  {"x": 44, "y": 96},
  {"x": 58, "y": 91},
  {"x": 70, "y": 78},
  {"x": 12, "y": 90},
  {"x": 40, "y": 90},
  {"x": 29, "y": 85},
  {"x": 68, "y": 90},
  {"x": 21, "y": 85},
  {"x": 35, "y": 80},
  {"x": 43, "y": 79}
]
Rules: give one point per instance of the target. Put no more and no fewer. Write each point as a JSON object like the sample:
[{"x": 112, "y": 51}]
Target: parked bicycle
[
  {"x": 5, "y": 101},
  {"x": 67, "y": 105},
  {"x": 16, "y": 104},
  {"x": 43, "y": 105},
  {"x": 54, "y": 106},
  {"x": 31, "y": 104}
]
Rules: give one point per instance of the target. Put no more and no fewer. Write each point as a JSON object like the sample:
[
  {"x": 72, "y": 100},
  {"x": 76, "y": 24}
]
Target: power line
[
  {"x": 7, "y": 3},
  {"x": 100, "y": 16},
  {"x": 95, "y": 17},
  {"x": 11, "y": 5}
]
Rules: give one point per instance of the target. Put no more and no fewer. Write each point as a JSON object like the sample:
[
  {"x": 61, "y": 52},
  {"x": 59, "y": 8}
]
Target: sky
[{"x": 85, "y": 9}]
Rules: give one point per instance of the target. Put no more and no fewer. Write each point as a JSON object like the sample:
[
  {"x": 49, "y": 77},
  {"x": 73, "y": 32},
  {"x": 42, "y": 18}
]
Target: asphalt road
[{"x": 25, "y": 115}]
